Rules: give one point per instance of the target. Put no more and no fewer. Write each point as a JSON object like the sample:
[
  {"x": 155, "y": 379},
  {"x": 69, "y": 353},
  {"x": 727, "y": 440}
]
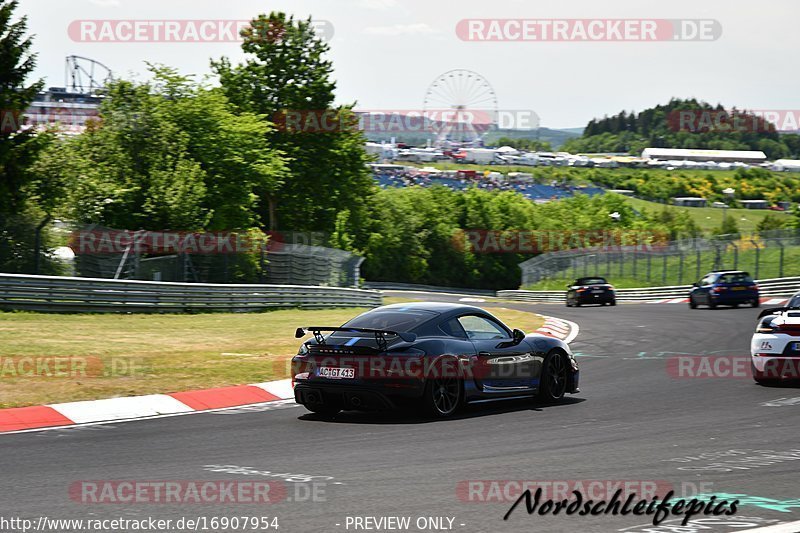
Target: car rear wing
[
  {"x": 380, "y": 334},
  {"x": 775, "y": 310}
]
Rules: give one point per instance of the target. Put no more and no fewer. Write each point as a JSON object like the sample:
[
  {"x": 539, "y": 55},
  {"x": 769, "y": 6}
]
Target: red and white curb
[
  {"x": 134, "y": 407},
  {"x": 764, "y": 301},
  {"x": 61, "y": 415},
  {"x": 559, "y": 328}
]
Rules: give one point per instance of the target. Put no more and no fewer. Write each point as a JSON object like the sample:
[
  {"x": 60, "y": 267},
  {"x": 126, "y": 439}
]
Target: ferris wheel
[{"x": 460, "y": 105}]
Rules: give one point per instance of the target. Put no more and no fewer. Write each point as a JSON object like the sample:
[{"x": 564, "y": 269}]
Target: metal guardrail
[
  {"x": 390, "y": 286},
  {"x": 767, "y": 287},
  {"x": 96, "y": 295}
]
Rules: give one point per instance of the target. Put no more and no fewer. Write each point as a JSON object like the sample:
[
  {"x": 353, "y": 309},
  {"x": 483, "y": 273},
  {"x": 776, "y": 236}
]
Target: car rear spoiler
[
  {"x": 380, "y": 334},
  {"x": 774, "y": 310}
]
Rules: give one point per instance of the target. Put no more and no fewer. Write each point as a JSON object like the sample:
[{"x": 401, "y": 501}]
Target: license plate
[
  {"x": 740, "y": 288},
  {"x": 332, "y": 372},
  {"x": 597, "y": 292},
  {"x": 795, "y": 347}
]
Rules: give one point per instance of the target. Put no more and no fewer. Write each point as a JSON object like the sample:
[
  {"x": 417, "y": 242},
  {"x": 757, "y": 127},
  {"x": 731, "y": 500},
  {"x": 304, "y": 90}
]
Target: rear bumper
[
  {"x": 351, "y": 396},
  {"x": 734, "y": 297},
  {"x": 776, "y": 368},
  {"x": 589, "y": 298}
]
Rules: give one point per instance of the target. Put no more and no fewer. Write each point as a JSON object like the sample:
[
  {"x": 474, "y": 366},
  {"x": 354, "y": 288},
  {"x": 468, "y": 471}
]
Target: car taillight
[
  {"x": 765, "y": 329},
  {"x": 764, "y": 354},
  {"x": 718, "y": 289},
  {"x": 299, "y": 369},
  {"x": 582, "y": 289},
  {"x": 611, "y": 287},
  {"x": 753, "y": 287}
]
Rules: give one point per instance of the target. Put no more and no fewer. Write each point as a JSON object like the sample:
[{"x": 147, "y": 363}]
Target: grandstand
[{"x": 533, "y": 191}]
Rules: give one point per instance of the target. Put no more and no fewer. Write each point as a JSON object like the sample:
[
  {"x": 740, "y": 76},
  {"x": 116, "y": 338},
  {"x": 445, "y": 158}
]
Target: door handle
[{"x": 484, "y": 354}]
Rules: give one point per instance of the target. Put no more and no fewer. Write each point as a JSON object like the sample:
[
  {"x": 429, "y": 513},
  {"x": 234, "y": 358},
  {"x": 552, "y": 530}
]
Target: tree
[
  {"x": 169, "y": 154},
  {"x": 18, "y": 148},
  {"x": 771, "y": 222},
  {"x": 531, "y": 145},
  {"x": 729, "y": 226},
  {"x": 286, "y": 72},
  {"x": 20, "y": 220}
]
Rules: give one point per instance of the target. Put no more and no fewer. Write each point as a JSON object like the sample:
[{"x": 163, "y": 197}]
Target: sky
[{"x": 387, "y": 53}]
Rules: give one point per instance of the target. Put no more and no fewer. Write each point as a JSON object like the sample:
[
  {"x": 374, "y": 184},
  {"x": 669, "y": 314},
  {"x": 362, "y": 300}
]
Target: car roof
[{"x": 438, "y": 307}]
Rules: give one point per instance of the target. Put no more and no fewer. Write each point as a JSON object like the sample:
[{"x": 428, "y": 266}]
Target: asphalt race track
[{"x": 636, "y": 419}]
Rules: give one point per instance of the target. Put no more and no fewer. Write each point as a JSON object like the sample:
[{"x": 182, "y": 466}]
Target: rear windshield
[
  {"x": 735, "y": 277},
  {"x": 393, "y": 320},
  {"x": 590, "y": 281}
]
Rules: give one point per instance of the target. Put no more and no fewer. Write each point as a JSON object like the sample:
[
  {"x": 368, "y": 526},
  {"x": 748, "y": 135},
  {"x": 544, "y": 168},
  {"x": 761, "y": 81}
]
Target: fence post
[
  {"x": 680, "y": 268},
  {"x": 758, "y": 254},
  {"x": 261, "y": 262},
  {"x": 697, "y": 276},
  {"x": 649, "y": 261},
  {"x": 735, "y": 256},
  {"x": 780, "y": 261},
  {"x": 597, "y": 264},
  {"x": 664, "y": 270},
  {"x": 37, "y": 243},
  {"x": 635, "y": 256}
]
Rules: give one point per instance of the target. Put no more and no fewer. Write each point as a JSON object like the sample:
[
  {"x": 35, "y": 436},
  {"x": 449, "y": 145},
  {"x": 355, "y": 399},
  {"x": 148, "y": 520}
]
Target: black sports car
[
  {"x": 440, "y": 354},
  {"x": 593, "y": 290}
]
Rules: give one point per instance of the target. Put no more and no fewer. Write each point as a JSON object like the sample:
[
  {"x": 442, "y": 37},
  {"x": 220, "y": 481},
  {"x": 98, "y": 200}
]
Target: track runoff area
[{"x": 664, "y": 409}]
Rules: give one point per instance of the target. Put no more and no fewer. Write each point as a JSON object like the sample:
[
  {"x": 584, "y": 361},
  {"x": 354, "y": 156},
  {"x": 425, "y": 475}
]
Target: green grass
[
  {"x": 167, "y": 352},
  {"x": 159, "y": 353},
  {"x": 710, "y": 218}
]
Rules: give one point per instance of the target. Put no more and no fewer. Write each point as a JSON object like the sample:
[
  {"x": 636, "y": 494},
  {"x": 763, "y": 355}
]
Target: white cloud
[
  {"x": 377, "y": 4},
  {"x": 401, "y": 29}
]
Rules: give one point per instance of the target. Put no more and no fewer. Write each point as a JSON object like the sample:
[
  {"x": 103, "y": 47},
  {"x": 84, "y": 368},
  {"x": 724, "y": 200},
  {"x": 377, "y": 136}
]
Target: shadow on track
[{"x": 409, "y": 415}]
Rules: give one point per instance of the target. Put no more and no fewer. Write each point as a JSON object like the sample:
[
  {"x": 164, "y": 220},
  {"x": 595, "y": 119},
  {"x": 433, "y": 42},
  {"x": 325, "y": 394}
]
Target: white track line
[{"x": 790, "y": 527}]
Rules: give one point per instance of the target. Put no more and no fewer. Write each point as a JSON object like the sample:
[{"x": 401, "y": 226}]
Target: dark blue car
[
  {"x": 724, "y": 287},
  {"x": 435, "y": 355}
]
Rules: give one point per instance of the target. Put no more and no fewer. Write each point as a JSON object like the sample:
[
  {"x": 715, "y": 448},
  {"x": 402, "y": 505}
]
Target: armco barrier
[
  {"x": 95, "y": 295},
  {"x": 408, "y": 287},
  {"x": 767, "y": 287}
]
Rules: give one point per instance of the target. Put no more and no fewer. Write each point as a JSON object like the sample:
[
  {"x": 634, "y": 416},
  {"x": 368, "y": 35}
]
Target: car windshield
[
  {"x": 590, "y": 281},
  {"x": 735, "y": 277},
  {"x": 393, "y": 320}
]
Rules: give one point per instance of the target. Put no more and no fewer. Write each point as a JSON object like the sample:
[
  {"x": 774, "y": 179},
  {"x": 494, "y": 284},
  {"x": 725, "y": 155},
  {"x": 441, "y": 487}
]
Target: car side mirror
[
  {"x": 695, "y": 285},
  {"x": 517, "y": 336}
]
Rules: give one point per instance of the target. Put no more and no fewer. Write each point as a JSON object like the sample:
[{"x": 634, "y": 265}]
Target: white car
[{"x": 775, "y": 348}]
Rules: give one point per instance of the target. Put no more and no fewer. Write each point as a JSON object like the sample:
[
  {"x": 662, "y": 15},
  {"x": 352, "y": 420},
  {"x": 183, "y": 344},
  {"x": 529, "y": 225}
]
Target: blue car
[
  {"x": 724, "y": 287},
  {"x": 436, "y": 355}
]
